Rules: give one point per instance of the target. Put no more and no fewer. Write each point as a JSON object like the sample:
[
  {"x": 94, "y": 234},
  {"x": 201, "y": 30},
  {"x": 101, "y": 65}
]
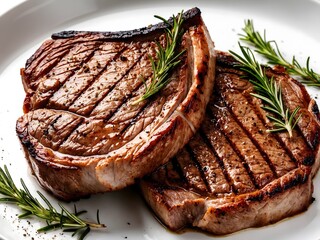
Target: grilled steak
[
  {"x": 234, "y": 174},
  {"x": 81, "y": 130}
]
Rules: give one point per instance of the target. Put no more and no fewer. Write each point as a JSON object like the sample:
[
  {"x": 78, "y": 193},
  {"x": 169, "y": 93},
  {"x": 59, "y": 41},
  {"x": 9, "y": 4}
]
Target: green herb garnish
[
  {"x": 268, "y": 91},
  {"x": 63, "y": 219},
  {"x": 167, "y": 58},
  {"x": 270, "y": 50}
]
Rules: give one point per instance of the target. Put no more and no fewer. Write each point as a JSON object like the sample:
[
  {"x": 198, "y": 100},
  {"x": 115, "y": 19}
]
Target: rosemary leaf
[
  {"x": 270, "y": 50},
  {"x": 268, "y": 91},
  {"x": 167, "y": 58},
  {"x": 49, "y": 227},
  {"x": 32, "y": 207},
  {"x": 81, "y": 212},
  {"x": 84, "y": 233}
]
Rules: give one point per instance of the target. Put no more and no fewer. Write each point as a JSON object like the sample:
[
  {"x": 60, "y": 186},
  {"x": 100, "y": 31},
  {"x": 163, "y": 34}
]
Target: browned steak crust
[
  {"x": 234, "y": 174},
  {"x": 81, "y": 131}
]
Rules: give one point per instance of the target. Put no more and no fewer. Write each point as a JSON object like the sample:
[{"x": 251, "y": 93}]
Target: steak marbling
[
  {"x": 234, "y": 174},
  {"x": 81, "y": 131}
]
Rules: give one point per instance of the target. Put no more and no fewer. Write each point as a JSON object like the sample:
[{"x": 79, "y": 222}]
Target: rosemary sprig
[
  {"x": 63, "y": 219},
  {"x": 271, "y": 51},
  {"x": 167, "y": 57},
  {"x": 268, "y": 91}
]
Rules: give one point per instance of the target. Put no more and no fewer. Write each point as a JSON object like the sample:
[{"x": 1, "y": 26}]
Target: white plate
[{"x": 293, "y": 23}]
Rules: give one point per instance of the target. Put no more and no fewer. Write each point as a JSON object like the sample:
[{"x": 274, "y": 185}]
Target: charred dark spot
[
  {"x": 274, "y": 191},
  {"x": 123, "y": 58},
  {"x": 83, "y": 134},
  {"x": 45, "y": 132},
  {"x": 308, "y": 161},
  {"x": 201, "y": 76},
  {"x": 315, "y": 142},
  {"x": 86, "y": 69},
  {"x": 220, "y": 212},
  {"x": 55, "y": 121},
  {"x": 298, "y": 179},
  {"x": 256, "y": 198},
  {"x": 30, "y": 147},
  {"x": 315, "y": 109}
]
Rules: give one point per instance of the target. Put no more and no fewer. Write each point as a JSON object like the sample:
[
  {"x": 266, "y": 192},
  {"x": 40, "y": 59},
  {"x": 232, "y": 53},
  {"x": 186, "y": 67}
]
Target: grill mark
[
  {"x": 235, "y": 171},
  {"x": 270, "y": 148},
  {"x": 225, "y": 185},
  {"x": 191, "y": 171},
  {"x": 36, "y": 57},
  {"x": 123, "y": 100},
  {"x": 70, "y": 89},
  {"x": 67, "y": 136},
  {"x": 298, "y": 150},
  {"x": 120, "y": 126},
  {"x": 147, "y": 112},
  {"x": 315, "y": 110},
  {"x": 292, "y": 98},
  {"x": 235, "y": 92},
  {"x": 71, "y": 132},
  {"x": 56, "y": 77},
  {"x": 84, "y": 139},
  {"x": 256, "y": 144},
  {"x": 246, "y": 149},
  {"x": 146, "y": 106},
  {"x": 50, "y": 126},
  {"x": 95, "y": 79},
  {"x": 56, "y": 48},
  {"x": 140, "y": 106},
  {"x": 255, "y": 180},
  {"x": 106, "y": 140},
  {"x": 55, "y": 121},
  {"x": 293, "y": 94},
  {"x": 160, "y": 110},
  {"x": 76, "y": 53},
  {"x": 38, "y": 128},
  {"x": 139, "y": 115},
  {"x": 118, "y": 129},
  {"x": 36, "y": 66},
  {"x": 52, "y": 56},
  {"x": 52, "y": 105},
  {"x": 107, "y": 144},
  {"x": 146, "y": 118},
  {"x": 99, "y": 111},
  {"x": 41, "y": 70}
]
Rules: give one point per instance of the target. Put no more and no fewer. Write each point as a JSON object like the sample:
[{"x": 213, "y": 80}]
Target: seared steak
[
  {"x": 234, "y": 174},
  {"x": 82, "y": 132}
]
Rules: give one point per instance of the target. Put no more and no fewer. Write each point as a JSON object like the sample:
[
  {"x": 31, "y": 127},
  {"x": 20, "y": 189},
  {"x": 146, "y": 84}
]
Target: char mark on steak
[
  {"x": 234, "y": 174},
  {"x": 81, "y": 131}
]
